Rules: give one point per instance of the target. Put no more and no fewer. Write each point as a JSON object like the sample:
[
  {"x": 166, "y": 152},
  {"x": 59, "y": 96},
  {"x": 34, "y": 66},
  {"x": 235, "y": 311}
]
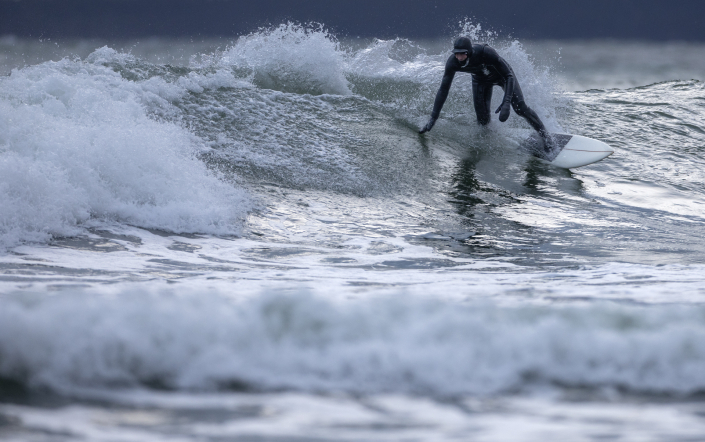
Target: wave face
[
  {"x": 113, "y": 137},
  {"x": 387, "y": 344}
]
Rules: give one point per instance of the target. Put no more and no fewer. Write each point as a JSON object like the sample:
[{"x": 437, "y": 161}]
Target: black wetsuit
[{"x": 488, "y": 69}]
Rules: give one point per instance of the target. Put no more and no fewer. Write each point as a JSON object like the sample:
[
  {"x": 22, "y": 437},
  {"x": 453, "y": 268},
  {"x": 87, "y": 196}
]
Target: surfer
[{"x": 488, "y": 69}]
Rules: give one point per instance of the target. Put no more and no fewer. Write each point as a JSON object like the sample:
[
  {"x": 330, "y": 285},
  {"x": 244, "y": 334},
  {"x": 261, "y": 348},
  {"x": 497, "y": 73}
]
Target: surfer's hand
[
  {"x": 503, "y": 111},
  {"x": 428, "y": 126}
]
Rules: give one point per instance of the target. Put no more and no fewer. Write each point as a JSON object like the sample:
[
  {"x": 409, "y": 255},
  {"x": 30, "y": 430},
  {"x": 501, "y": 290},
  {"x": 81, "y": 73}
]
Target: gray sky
[{"x": 533, "y": 19}]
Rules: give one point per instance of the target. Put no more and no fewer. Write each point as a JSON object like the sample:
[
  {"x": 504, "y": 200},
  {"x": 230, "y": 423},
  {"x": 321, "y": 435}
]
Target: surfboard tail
[{"x": 536, "y": 146}]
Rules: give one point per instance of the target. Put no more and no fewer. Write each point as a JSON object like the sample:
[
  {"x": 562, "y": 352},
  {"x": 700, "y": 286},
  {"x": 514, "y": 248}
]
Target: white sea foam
[
  {"x": 500, "y": 293},
  {"x": 77, "y": 142},
  {"x": 291, "y": 58},
  {"x": 205, "y": 340}
]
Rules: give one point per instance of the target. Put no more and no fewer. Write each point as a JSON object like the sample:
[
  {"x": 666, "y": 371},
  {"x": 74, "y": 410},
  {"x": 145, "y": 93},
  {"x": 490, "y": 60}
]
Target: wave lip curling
[{"x": 79, "y": 143}]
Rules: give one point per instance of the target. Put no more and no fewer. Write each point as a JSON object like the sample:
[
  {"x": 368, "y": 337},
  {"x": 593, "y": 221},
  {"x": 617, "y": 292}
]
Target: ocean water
[{"x": 247, "y": 240}]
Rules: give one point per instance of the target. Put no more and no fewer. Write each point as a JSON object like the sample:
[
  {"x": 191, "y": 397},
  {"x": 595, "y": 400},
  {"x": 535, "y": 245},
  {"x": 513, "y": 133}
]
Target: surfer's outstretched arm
[{"x": 441, "y": 96}]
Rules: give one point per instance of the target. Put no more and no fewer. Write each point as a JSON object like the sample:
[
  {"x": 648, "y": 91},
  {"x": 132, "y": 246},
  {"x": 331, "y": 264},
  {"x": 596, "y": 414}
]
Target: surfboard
[{"x": 571, "y": 151}]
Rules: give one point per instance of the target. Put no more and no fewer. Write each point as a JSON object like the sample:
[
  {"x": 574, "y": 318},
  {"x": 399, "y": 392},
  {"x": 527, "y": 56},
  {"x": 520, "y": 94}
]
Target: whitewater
[{"x": 248, "y": 240}]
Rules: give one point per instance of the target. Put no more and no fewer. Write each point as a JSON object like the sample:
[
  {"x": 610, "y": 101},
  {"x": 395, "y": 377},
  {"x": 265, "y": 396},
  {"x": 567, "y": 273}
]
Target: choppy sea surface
[{"x": 247, "y": 240}]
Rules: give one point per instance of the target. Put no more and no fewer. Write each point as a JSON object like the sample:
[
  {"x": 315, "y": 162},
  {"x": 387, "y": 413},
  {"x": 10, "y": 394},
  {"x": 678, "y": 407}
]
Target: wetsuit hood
[{"x": 462, "y": 44}]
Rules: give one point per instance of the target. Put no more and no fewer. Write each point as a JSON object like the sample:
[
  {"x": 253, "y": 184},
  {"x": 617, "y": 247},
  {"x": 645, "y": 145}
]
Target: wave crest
[
  {"x": 79, "y": 143},
  {"x": 291, "y": 58},
  {"x": 395, "y": 344}
]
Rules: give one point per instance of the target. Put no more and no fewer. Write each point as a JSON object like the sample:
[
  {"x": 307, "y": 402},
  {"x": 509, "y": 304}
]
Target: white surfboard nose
[
  {"x": 580, "y": 143},
  {"x": 581, "y": 151}
]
